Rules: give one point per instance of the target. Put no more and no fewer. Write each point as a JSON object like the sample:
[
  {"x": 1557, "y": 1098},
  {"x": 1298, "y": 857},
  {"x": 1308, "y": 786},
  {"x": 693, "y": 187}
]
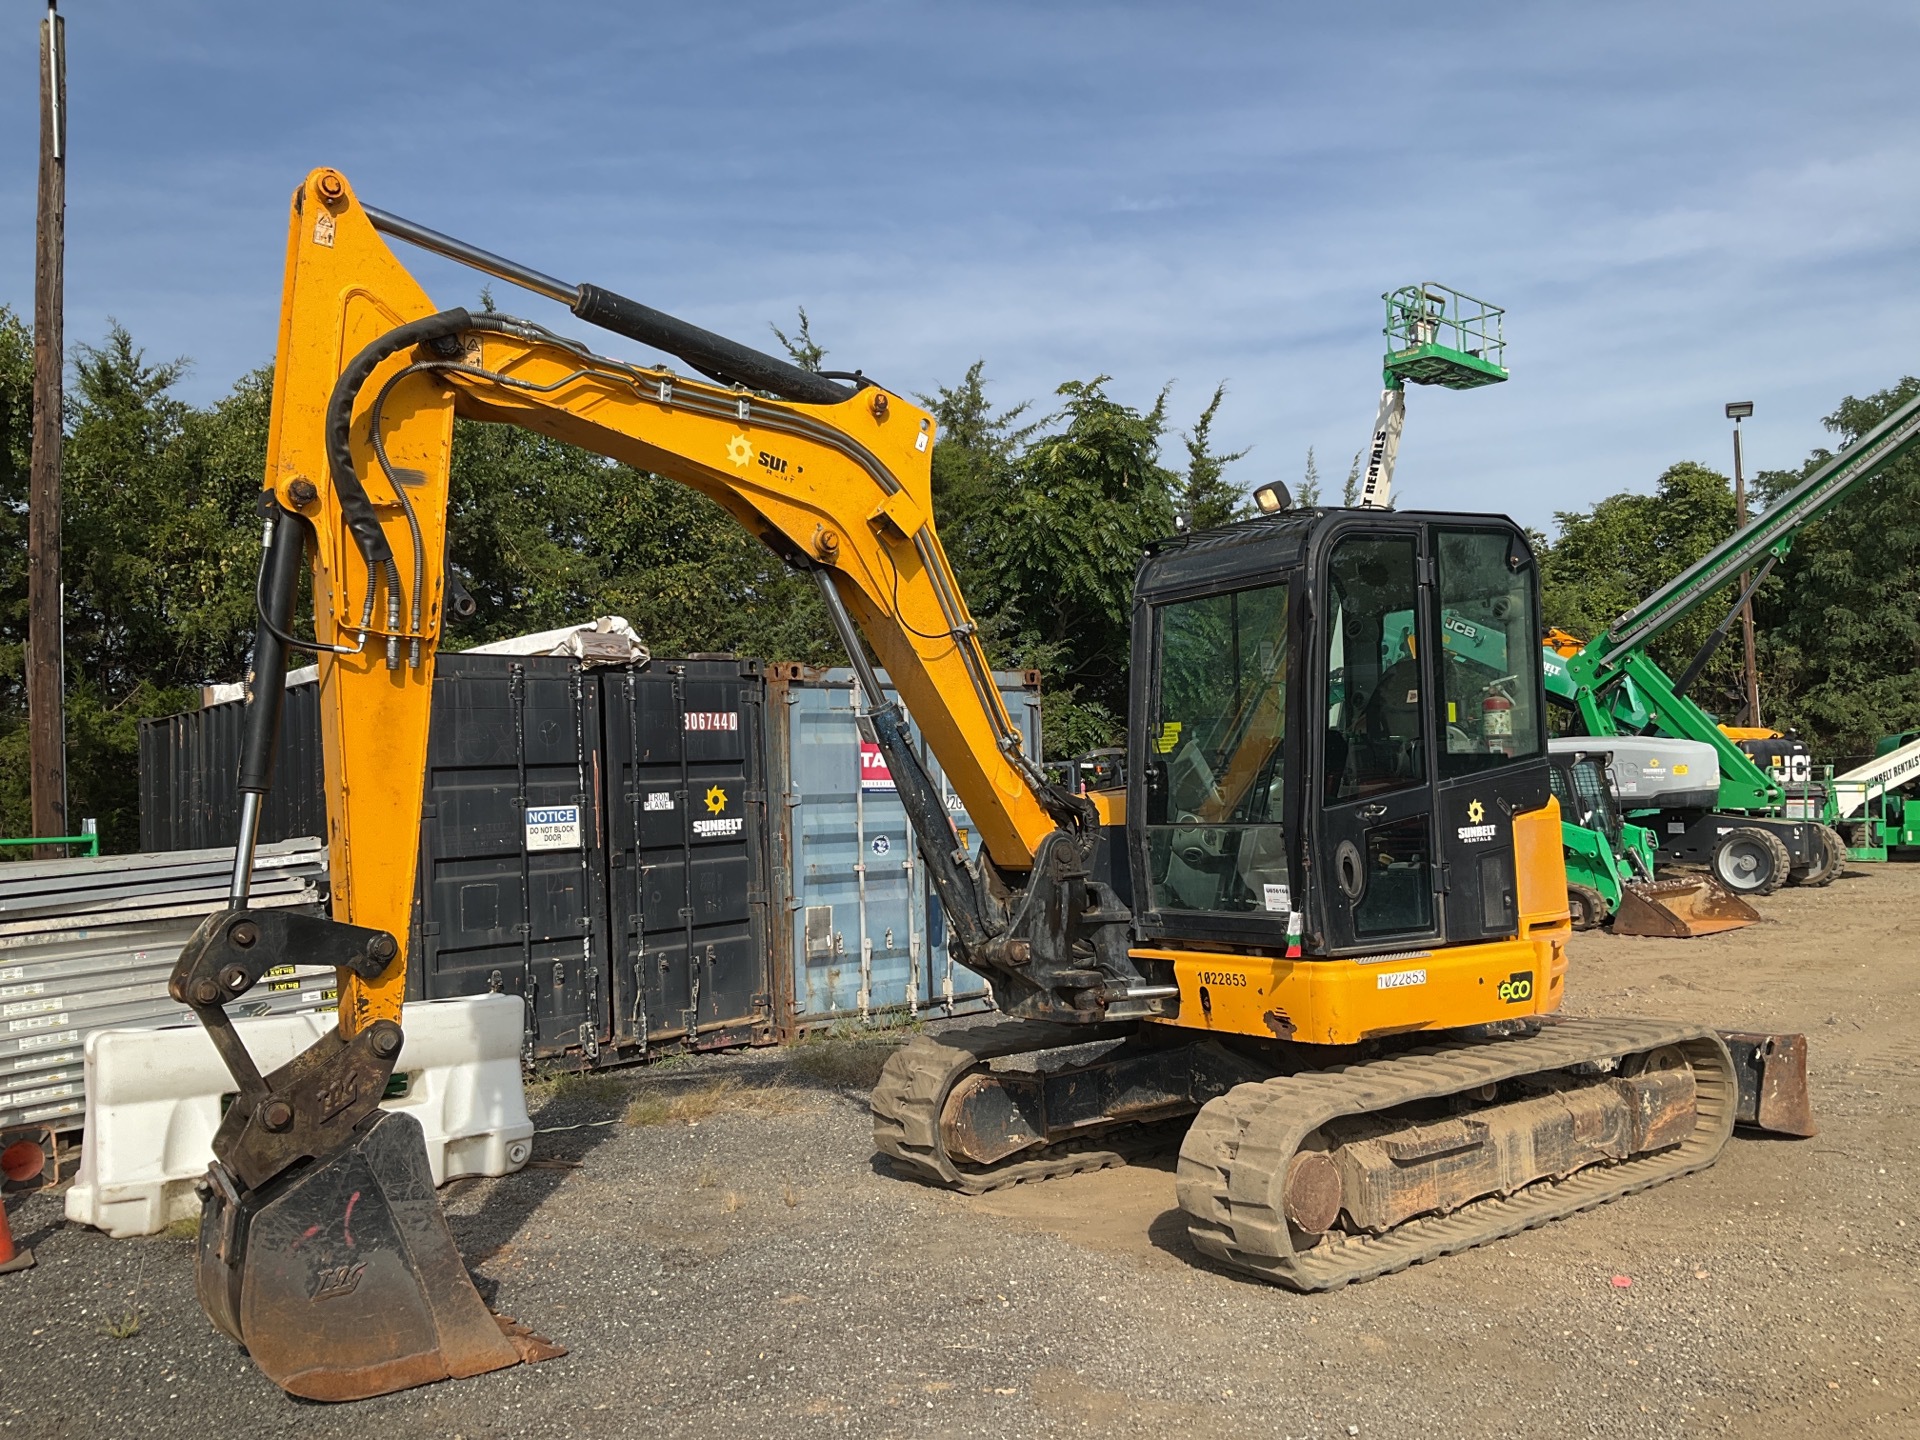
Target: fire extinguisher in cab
[{"x": 1496, "y": 720}]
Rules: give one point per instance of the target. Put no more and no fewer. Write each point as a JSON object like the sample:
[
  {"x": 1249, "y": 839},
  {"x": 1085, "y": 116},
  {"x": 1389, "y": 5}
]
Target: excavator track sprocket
[{"x": 1237, "y": 1161}]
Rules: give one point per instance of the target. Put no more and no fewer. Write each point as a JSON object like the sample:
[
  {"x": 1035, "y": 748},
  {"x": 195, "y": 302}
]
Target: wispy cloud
[{"x": 1675, "y": 203}]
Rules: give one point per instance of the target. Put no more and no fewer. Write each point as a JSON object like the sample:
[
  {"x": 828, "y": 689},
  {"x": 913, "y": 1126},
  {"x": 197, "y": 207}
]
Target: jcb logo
[
  {"x": 1517, "y": 987},
  {"x": 773, "y": 463}
]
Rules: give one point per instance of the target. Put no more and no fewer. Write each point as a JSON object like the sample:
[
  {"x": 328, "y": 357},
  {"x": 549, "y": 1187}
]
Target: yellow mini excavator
[{"x": 1318, "y": 941}]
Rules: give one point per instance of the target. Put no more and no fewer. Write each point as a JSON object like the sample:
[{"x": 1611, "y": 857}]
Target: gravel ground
[{"x": 758, "y": 1271}]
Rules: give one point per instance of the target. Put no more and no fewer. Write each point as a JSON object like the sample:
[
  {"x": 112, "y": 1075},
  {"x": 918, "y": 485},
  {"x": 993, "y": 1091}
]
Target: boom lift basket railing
[{"x": 1438, "y": 336}]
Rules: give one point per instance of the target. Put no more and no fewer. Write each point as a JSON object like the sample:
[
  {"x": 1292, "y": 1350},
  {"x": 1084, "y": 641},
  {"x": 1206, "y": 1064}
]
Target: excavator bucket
[
  {"x": 322, "y": 1247},
  {"x": 1680, "y": 909},
  {"x": 343, "y": 1281}
]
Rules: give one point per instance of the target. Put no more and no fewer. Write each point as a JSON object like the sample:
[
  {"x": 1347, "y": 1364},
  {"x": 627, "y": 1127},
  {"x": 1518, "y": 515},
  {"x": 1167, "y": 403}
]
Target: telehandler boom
[{"x": 1322, "y": 933}]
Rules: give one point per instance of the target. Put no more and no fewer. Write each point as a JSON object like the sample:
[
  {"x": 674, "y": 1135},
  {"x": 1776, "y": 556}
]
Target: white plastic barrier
[{"x": 153, "y": 1103}]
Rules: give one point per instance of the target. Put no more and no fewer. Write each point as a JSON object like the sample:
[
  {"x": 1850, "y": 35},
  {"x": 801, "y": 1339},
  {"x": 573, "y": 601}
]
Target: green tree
[
  {"x": 1071, "y": 517},
  {"x": 805, "y": 351},
  {"x": 16, "y": 446},
  {"x": 1605, "y": 560},
  {"x": 1309, "y": 492},
  {"x": 159, "y": 554},
  {"x": 544, "y": 534},
  {"x": 1207, "y": 498},
  {"x": 1839, "y": 620},
  {"x": 974, "y": 451}
]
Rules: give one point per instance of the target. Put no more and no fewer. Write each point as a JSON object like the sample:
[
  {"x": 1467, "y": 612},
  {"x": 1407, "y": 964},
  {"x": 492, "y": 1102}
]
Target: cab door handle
[{"x": 1371, "y": 811}]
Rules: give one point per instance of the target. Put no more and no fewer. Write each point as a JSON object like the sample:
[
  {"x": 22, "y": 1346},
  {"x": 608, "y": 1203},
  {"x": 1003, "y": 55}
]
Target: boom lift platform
[{"x": 1435, "y": 336}]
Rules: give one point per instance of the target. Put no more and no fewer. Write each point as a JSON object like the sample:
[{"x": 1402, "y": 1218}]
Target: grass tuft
[
  {"x": 850, "y": 1062},
  {"x": 123, "y": 1326},
  {"x": 717, "y": 1097},
  {"x": 187, "y": 1228},
  {"x": 587, "y": 1085}
]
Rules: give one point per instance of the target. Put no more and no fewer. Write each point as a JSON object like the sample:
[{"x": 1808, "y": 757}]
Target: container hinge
[
  {"x": 589, "y": 1041},
  {"x": 429, "y": 812},
  {"x": 429, "y": 927},
  {"x": 522, "y": 930},
  {"x": 763, "y": 1003}
]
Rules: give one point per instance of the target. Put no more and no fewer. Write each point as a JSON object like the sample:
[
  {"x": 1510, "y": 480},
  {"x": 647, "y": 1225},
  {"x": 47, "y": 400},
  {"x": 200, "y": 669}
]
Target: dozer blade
[
  {"x": 342, "y": 1280},
  {"x": 1680, "y": 909},
  {"x": 1771, "y": 1071}
]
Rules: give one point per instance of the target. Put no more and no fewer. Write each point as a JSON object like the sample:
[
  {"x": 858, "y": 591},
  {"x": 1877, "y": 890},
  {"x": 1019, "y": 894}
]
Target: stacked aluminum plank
[{"x": 88, "y": 945}]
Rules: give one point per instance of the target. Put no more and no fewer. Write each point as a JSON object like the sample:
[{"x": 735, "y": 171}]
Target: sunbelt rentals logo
[
  {"x": 1474, "y": 832},
  {"x": 721, "y": 826}
]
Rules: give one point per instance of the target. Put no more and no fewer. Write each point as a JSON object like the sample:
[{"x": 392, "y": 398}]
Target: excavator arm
[{"x": 835, "y": 477}]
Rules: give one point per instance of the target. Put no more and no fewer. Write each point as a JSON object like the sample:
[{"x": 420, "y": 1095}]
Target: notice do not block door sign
[
  {"x": 874, "y": 774},
  {"x": 553, "y": 827}
]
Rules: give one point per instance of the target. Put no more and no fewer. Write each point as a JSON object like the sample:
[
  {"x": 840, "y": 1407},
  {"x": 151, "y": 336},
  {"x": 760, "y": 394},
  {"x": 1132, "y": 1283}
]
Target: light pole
[{"x": 1738, "y": 410}]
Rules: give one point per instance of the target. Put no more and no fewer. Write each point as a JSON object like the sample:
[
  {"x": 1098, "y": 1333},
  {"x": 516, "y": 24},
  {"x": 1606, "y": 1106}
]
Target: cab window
[
  {"x": 1487, "y": 711},
  {"x": 1215, "y": 757}
]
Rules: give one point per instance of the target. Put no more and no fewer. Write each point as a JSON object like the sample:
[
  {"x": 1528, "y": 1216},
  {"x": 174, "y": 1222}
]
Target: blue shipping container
[{"x": 858, "y": 932}]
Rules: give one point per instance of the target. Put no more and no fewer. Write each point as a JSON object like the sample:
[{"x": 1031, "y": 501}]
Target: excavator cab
[{"x": 1310, "y": 756}]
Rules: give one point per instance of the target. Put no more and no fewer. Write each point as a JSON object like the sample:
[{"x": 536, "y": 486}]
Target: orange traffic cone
[{"x": 21, "y": 1161}]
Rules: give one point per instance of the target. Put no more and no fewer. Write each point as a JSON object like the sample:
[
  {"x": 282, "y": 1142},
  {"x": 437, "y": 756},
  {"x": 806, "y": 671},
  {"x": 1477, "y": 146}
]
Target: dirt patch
[{"x": 756, "y": 1266}]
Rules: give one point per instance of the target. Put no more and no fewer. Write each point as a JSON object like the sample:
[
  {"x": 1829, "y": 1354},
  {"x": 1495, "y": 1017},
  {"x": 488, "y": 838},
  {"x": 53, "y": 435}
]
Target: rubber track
[
  {"x": 1234, "y": 1161},
  {"x": 918, "y": 1077}
]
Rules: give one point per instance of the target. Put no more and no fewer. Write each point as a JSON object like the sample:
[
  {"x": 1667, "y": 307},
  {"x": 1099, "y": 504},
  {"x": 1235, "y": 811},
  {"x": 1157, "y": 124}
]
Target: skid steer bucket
[{"x": 1680, "y": 909}]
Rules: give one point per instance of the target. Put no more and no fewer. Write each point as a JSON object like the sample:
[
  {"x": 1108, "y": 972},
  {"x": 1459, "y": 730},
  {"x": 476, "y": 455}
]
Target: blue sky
[{"x": 1679, "y": 204}]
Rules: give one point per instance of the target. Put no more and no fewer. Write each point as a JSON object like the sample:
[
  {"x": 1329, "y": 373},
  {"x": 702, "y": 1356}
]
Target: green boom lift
[{"x": 1435, "y": 336}]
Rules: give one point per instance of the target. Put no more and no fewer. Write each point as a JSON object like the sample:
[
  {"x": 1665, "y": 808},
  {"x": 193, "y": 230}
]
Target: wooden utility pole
[{"x": 46, "y": 699}]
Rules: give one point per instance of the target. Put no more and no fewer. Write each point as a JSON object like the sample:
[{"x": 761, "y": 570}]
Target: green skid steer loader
[{"x": 1610, "y": 863}]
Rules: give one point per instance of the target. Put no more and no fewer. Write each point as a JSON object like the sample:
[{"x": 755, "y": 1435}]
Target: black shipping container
[
  {"x": 509, "y": 895},
  {"x": 189, "y": 777},
  {"x": 543, "y": 871},
  {"x": 687, "y": 868}
]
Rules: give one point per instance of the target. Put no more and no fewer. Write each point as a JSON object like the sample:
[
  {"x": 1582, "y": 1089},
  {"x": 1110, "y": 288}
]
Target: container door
[
  {"x": 688, "y": 889},
  {"x": 509, "y": 888},
  {"x": 856, "y": 912}
]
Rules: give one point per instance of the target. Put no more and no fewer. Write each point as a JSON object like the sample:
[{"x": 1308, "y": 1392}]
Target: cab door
[
  {"x": 1489, "y": 731},
  {"x": 1376, "y": 875}
]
